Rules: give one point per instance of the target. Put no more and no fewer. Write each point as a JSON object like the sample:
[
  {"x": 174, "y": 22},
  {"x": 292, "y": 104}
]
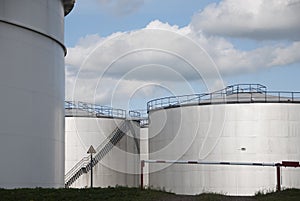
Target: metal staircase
[{"x": 84, "y": 165}]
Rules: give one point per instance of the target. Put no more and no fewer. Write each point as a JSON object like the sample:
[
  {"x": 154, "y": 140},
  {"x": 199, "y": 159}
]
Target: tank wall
[
  {"x": 144, "y": 153},
  {"x": 46, "y": 16},
  {"x": 32, "y": 94},
  {"x": 235, "y": 133},
  {"x": 118, "y": 167}
]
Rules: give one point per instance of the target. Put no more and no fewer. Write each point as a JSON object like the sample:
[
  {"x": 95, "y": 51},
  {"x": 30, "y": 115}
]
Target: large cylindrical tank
[
  {"x": 32, "y": 92},
  {"x": 119, "y": 165},
  {"x": 254, "y": 127}
]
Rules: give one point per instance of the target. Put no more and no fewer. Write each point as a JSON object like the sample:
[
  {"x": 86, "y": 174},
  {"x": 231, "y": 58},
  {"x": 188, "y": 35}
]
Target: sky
[{"x": 123, "y": 53}]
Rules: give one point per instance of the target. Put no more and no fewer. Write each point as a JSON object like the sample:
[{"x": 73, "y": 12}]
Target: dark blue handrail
[
  {"x": 239, "y": 93},
  {"x": 94, "y": 110}
]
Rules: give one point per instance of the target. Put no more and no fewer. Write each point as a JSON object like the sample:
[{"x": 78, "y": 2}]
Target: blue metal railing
[
  {"x": 140, "y": 115},
  {"x": 94, "y": 109},
  {"x": 240, "y": 93},
  {"x": 245, "y": 88}
]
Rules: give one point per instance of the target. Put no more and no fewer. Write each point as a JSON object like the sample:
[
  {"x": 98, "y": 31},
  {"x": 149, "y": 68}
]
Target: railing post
[
  {"x": 142, "y": 174},
  {"x": 266, "y": 97},
  {"x": 91, "y": 151},
  {"x": 91, "y": 170},
  {"x": 278, "y": 187}
]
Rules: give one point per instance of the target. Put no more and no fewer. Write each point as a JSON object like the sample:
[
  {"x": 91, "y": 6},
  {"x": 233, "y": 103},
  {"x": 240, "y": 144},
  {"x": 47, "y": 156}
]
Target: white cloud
[
  {"x": 256, "y": 19},
  {"x": 166, "y": 59},
  {"x": 136, "y": 53},
  {"x": 121, "y": 93},
  {"x": 171, "y": 50},
  {"x": 288, "y": 55}
]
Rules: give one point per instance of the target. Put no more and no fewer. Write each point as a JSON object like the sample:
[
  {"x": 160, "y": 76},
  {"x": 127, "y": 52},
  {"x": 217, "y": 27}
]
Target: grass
[
  {"x": 124, "y": 194},
  {"x": 288, "y": 195},
  {"x": 114, "y": 194}
]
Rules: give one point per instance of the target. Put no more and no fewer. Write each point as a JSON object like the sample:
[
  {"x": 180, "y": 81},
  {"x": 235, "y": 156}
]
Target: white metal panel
[
  {"x": 32, "y": 94},
  {"x": 235, "y": 132}
]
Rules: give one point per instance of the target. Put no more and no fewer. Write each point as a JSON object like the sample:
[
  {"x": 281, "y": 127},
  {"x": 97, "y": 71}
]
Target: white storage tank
[
  {"x": 241, "y": 123},
  {"x": 116, "y": 161},
  {"x": 32, "y": 92},
  {"x": 142, "y": 117}
]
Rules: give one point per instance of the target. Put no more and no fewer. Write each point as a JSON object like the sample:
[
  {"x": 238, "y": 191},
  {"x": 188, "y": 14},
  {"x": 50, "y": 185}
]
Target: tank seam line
[{"x": 36, "y": 31}]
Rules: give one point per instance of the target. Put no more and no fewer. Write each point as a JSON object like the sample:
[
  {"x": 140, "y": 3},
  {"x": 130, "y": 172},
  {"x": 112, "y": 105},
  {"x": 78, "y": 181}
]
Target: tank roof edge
[{"x": 68, "y": 6}]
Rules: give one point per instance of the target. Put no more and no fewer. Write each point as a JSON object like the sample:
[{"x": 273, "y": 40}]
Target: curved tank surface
[
  {"x": 237, "y": 124},
  {"x": 144, "y": 154},
  {"x": 32, "y": 92},
  {"x": 115, "y": 139}
]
